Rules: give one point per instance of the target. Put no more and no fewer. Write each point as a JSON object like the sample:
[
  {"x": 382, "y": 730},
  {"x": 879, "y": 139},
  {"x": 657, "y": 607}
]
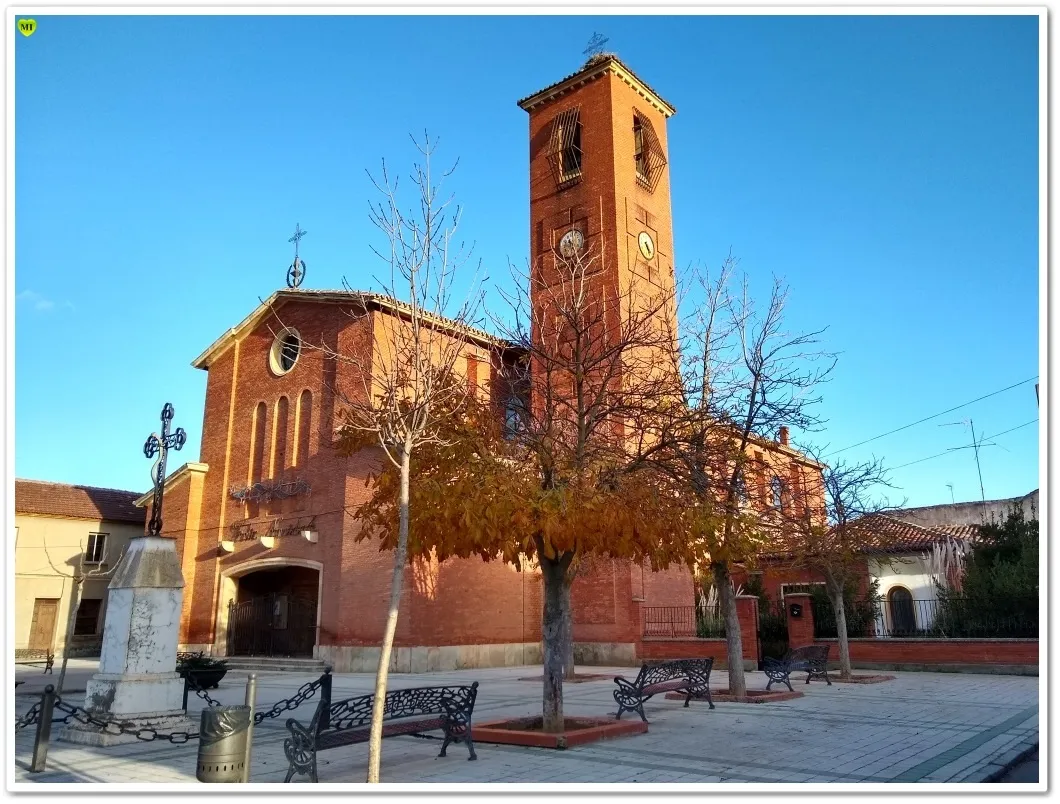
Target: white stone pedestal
[{"x": 136, "y": 684}]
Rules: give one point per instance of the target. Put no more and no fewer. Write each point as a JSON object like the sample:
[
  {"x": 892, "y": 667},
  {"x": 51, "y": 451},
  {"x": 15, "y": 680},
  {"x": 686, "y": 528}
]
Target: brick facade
[{"x": 263, "y": 425}]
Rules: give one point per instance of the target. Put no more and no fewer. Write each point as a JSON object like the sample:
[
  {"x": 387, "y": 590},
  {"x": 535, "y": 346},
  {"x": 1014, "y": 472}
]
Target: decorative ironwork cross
[
  {"x": 298, "y": 235},
  {"x": 160, "y": 446},
  {"x": 596, "y": 45},
  {"x": 296, "y": 273}
]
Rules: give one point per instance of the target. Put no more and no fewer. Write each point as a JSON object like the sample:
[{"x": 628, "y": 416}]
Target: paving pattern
[{"x": 921, "y": 727}]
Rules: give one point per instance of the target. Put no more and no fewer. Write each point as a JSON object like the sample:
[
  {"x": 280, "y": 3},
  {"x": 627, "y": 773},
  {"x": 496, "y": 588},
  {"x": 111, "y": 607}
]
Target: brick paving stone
[{"x": 919, "y": 727}]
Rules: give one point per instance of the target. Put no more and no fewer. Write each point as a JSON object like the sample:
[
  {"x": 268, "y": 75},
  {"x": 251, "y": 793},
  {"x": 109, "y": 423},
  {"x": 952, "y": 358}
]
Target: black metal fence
[
  {"x": 952, "y": 618},
  {"x": 861, "y": 620},
  {"x": 704, "y": 622}
]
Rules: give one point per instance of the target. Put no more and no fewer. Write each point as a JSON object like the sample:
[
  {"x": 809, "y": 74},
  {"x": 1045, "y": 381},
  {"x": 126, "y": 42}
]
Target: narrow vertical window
[
  {"x": 279, "y": 438},
  {"x": 472, "y": 375},
  {"x": 640, "y": 157},
  {"x": 572, "y": 151},
  {"x": 305, "y": 417},
  {"x": 776, "y": 492},
  {"x": 257, "y": 451},
  {"x": 742, "y": 497},
  {"x": 565, "y": 150}
]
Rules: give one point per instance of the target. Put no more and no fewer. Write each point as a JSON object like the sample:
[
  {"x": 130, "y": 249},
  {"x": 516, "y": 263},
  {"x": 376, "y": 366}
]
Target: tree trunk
[
  {"x": 71, "y": 621},
  {"x": 556, "y": 638},
  {"x": 835, "y": 594},
  {"x": 568, "y": 665},
  {"x": 375, "y": 736},
  {"x": 733, "y": 640}
]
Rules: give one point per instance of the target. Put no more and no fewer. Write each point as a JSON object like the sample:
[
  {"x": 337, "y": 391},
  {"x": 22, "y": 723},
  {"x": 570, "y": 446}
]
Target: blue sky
[{"x": 885, "y": 166}]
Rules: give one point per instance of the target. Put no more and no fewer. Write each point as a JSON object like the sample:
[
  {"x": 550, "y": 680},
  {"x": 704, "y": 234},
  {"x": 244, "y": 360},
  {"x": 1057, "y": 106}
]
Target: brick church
[{"x": 265, "y": 523}]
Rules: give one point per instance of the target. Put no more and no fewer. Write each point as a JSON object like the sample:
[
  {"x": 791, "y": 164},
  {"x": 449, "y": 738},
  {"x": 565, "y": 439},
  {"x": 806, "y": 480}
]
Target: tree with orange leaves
[{"x": 570, "y": 475}]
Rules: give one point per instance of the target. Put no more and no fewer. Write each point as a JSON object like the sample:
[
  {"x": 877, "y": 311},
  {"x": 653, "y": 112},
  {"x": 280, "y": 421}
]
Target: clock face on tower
[
  {"x": 571, "y": 243},
  {"x": 647, "y": 246}
]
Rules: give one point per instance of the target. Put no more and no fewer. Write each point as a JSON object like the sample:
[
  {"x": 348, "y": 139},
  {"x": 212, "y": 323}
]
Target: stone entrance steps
[{"x": 275, "y": 664}]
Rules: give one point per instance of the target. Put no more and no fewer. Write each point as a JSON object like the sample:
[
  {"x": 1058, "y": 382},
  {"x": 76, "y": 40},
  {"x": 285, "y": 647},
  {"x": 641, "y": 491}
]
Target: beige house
[{"x": 63, "y": 532}]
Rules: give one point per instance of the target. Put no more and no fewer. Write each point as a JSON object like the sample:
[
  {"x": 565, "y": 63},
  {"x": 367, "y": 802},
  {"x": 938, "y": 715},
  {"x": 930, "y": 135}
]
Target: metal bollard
[
  {"x": 251, "y": 696},
  {"x": 44, "y": 730},
  {"x": 184, "y": 704}
]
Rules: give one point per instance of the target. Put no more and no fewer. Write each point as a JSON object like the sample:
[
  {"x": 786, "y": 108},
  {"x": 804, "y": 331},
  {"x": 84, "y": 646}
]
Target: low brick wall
[
  {"x": 654, "y": 648},
  {"x": 986, "y": 655}
]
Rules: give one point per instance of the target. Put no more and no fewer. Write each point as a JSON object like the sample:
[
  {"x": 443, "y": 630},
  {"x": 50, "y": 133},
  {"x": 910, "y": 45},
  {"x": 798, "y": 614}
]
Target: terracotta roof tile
[
  {"x": 889, "y": 534},
  {"x": 77, "y": 502},
  {"x": 882, "y": 533},
  {"x": 593, "y": 63}
]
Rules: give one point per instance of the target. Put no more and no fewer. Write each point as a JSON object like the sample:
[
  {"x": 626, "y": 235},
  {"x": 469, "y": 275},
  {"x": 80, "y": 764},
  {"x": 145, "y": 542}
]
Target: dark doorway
[
  {"x": 772, "y": 630},
  {"x": 903, "y": 617},
  {"x": 274, "y": 613}
]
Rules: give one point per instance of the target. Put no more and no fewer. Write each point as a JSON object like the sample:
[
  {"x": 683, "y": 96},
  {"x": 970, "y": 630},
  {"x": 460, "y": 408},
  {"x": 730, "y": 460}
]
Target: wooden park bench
[
  {"x": 811, "y": 658},
  {"x": 35, "y": 656},
  {"x": 691, "y": 676},
  {"x": 410, "y": 711}
]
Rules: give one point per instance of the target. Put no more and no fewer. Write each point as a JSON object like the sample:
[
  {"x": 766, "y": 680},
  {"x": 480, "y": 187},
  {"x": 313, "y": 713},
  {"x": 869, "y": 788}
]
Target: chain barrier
[
  {"x": 193, "y": 684},
  {"x": 73, "y": 712},
  {"x": 305, "y": 692},
  {"x": 30, "y": 718},
  {"x": 114, "y": 727}
]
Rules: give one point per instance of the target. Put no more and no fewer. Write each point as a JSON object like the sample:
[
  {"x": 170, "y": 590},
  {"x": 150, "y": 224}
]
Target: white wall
[{"x": 912, "y": 572}]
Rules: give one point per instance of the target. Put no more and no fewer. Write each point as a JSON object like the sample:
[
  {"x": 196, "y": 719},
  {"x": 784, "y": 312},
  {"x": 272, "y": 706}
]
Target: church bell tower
[{"x": 599, "y": 181}]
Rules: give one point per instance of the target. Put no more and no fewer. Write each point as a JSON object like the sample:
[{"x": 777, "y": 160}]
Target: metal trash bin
[{"x": 223, "y": 733}]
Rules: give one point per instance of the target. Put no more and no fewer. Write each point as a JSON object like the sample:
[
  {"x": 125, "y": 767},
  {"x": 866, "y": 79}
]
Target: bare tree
[
  {"x": 78, "y": 578},
  {"x": 837, "y": 541},
  {"x": 742, "y": 378},
  {"x": 407, "y": 381}
]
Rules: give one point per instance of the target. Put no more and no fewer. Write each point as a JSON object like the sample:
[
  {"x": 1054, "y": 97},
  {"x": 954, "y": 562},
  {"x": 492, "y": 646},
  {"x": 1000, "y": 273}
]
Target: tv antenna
[
  {"x": 950, "y": 487},
  {"x": 976, "y": 444},
  {"x": 595, "y": 46}
]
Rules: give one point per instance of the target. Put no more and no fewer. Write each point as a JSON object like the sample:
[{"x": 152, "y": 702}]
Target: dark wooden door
[{"x": 42, "y": 630}]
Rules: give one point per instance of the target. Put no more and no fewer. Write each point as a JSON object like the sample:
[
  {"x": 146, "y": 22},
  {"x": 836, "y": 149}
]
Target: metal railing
[
  {"x": 861, "y": 620},
  {"x": 704, "y": 622},
  {"x": 953, "y": 618}
]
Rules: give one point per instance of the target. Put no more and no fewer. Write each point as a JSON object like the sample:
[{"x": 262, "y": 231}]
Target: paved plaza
[{"x": 920, "y": 727}]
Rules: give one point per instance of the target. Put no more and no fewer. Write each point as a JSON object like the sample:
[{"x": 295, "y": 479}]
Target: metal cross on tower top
[
  {"x": 296, "y": 273},
  {"x": 161, "y": 445},
  {"x": 596, "y": 45}
]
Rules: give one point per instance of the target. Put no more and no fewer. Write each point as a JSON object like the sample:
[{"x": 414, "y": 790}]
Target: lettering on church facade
[{"x": 277, "y": 528}]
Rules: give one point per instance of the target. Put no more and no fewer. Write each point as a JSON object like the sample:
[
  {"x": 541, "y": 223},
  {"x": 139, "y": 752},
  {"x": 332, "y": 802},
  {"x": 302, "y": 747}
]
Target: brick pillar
[
  {"x": 637, "y": 623},
  {"x": 747, "y": 612},
  {"x": 800, "y": 629}
]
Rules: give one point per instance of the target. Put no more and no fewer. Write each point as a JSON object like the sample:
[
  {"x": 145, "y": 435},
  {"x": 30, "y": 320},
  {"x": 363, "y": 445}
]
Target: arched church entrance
[{"x": 274, "y": 612}]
